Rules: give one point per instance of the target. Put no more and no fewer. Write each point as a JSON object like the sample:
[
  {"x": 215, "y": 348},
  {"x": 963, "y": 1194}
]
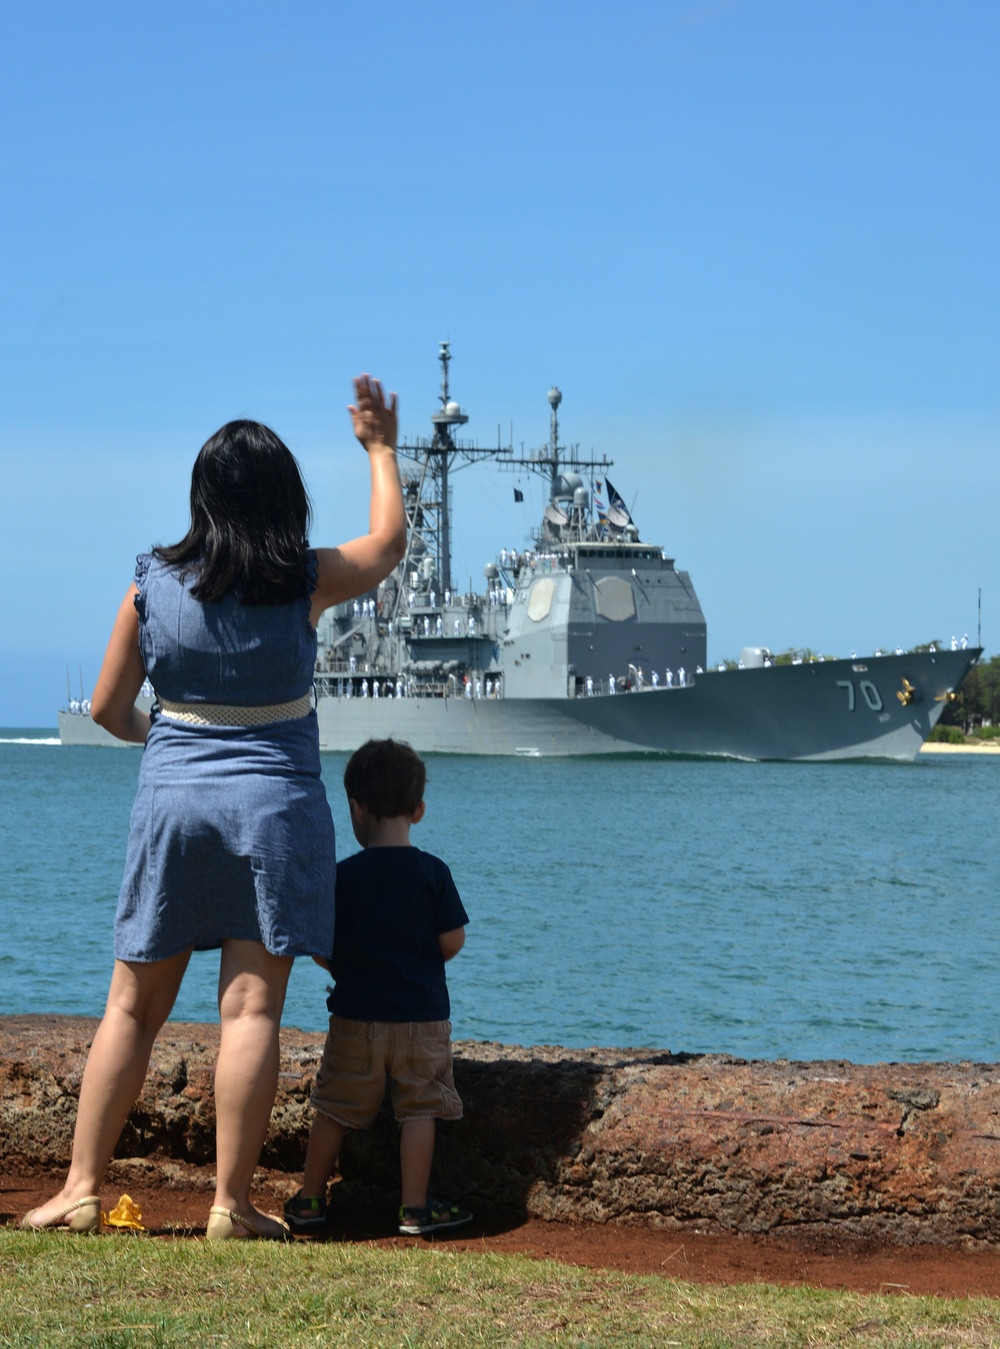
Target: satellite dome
[
  {"x": 554, "y": 397},
  {"x": 566, "y": 484},
  {"x": 452, "y": 409}
]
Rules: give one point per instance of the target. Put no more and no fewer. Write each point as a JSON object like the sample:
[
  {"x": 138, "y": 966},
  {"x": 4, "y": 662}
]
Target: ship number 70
[{"x": 869, "y": 692}]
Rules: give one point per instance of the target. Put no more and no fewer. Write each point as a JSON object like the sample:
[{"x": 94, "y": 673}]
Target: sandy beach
[{"x": 942, "y": 747}]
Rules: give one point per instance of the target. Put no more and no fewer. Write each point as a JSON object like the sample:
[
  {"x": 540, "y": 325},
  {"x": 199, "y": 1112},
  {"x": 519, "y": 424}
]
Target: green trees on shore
[{"x": 976, "y": 710}]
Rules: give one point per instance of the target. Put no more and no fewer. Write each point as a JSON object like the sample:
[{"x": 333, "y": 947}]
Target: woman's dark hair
[
  {"x": 249, "y": 519},
  {"x": 387, "y": 777}
]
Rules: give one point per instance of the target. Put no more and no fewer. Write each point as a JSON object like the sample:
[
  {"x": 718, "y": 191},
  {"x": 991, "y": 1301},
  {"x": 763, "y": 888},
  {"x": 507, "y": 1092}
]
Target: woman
[{"x": 231, "y": 843}]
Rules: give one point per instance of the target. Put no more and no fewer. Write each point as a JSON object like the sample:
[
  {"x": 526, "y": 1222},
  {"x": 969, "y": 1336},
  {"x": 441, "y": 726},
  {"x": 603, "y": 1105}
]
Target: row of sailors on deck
[
  {"x": 439, "y": 626},
  {"x": 510, "y": 557},
  {"x": 435, "y": 626},
  {"x": 499, "y": 596},
  {"x": 405, "y": 687},
  {"x": 637, "y": 680},
  {"x": 411, "y": 599},
  {"x": 474, "y": 688},
  {"x": 377, "y": 689}
]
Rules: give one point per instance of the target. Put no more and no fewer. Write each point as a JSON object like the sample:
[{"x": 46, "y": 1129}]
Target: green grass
[{"x": 120, "y": 1292}]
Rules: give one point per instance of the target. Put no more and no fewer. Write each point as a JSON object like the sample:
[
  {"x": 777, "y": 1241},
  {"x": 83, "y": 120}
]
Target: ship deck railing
[{"x": 334, "y": 686}]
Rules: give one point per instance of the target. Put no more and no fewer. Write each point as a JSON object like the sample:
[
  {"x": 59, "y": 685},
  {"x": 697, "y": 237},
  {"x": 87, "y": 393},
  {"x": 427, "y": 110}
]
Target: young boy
[{"x": 398, "y": 919}]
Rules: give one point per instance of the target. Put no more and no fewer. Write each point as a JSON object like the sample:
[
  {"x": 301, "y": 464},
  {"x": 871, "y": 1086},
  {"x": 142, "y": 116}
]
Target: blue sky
[{"x": 755, "y": 244}]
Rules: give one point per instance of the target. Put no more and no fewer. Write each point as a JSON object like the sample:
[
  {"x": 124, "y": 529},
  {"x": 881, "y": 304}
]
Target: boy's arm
[{"x": 450, "y": 943}]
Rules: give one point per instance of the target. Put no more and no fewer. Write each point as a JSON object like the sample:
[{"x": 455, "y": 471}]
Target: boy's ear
[
  {"x": 418, "y": 814},
  {"x": 357, "y": 812}
]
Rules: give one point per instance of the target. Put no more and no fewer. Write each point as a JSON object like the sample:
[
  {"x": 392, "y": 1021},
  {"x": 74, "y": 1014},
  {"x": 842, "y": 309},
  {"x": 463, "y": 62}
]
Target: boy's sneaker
[
  {"x": 305, "y": 1213},
  {"x": 437, "y": 1215}
]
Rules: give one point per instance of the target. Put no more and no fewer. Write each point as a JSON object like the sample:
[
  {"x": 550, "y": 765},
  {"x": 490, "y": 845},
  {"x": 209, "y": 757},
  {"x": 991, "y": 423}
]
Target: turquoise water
[{"x": 765, "y": 910}]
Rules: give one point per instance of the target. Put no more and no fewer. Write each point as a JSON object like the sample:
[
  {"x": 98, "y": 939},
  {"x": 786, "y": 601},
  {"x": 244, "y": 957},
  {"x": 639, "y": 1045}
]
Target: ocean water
[{"x": 764, "y": 910}]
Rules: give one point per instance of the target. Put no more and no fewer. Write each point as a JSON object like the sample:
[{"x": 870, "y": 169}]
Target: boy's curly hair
[{"x": 387, "y": 777}]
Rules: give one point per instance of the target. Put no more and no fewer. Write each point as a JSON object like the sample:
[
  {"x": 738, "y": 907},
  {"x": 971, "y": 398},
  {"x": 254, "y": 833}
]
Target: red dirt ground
[{"x": 180, "y": 1207}]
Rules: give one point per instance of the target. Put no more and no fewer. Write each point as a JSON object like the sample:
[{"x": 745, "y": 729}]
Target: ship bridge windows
[
  {"x": 587, "y": 552},
  {"x": 614, "y": 599}
]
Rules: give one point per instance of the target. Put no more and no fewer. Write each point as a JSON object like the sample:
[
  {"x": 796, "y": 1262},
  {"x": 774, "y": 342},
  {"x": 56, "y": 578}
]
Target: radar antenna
[
  {"x": 429, "y": 508},
  {"x": 568, "y": 522}
]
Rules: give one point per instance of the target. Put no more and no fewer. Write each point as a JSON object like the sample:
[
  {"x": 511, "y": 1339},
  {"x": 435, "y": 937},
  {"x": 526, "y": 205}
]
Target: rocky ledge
[{"x": 906, "y": 1153}]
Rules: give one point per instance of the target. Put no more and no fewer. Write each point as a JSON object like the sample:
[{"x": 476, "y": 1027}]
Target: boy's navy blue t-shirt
[{"x": 392, "y": 903}]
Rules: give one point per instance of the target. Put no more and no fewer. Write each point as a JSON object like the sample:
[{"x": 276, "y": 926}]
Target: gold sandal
[
  {"x": 84, "y": 1216},
  {"x": 222, "y": 1224}
]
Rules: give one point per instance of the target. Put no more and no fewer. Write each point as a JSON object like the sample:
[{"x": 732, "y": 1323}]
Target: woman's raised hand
[
  {"x": 357, "y": 566},
  {"x": 373, "y": 418}
]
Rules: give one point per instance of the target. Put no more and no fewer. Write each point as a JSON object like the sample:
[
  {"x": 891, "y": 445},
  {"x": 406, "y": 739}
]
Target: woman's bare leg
[
  {"x": 252, "y": 985},
  {"x": 139, "y": 1002}
]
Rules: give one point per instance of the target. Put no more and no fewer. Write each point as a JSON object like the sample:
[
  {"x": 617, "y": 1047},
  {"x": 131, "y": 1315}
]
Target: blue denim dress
[{"x": 231, "y": 832}]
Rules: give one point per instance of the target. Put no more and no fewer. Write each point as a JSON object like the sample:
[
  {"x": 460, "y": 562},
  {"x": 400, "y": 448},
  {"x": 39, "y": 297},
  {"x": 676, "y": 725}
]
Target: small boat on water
[{"x": 586, "y": 641}]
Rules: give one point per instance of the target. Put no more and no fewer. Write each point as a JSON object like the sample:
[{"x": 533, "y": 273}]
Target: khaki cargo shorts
[{"x": 360, "y": 1057}]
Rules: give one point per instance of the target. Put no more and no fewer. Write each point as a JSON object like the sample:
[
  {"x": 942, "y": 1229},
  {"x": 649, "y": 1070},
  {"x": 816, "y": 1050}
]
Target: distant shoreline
[{"x": 943, "y": 747}]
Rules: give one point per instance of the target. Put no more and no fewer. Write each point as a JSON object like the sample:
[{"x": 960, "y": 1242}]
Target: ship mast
[
  {"x": 555, "y": 398},
  {"x": 437, "y": 457},
  {"x": 567, "y": 516},
  {"x": 443, "y": 446}
]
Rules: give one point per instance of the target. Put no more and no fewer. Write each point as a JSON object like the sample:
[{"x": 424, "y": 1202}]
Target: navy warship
[{"x": 586, "y": 641}]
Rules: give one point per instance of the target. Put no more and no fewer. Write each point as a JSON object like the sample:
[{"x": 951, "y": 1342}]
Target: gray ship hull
[
  {"x": 827, "y": 710},
  {"x": 77, "y": 728}
]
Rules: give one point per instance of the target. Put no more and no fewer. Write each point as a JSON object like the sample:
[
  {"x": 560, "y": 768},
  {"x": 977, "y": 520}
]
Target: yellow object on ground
[{"x": 126, "y": 1213}]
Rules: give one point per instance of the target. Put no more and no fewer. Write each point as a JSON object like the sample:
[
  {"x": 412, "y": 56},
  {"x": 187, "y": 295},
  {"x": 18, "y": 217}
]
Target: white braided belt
[{"x": 228, "y": 714}]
